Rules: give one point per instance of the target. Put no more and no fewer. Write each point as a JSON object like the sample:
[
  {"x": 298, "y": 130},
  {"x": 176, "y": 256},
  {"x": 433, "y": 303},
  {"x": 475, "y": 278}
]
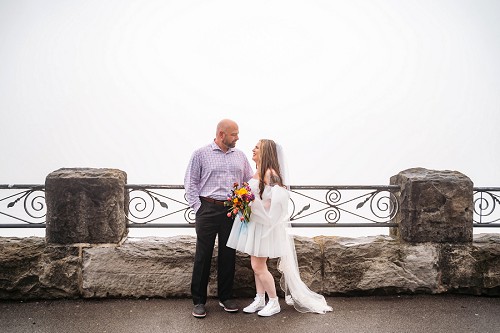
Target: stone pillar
[
  {"x": 435, "y": 206},
  {"x": 86, "y": 206}
]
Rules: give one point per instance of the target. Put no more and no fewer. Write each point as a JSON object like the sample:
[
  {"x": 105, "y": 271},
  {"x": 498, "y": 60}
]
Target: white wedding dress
[{"x": 266, "y": 235}]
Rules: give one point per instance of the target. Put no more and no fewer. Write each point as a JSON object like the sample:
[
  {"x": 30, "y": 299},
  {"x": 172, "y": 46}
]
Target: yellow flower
[{"x": 241, "y": 191}]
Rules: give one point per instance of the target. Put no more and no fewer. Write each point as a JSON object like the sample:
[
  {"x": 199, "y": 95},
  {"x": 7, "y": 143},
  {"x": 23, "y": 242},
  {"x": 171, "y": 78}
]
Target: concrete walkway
[{"x": 421, "y": 313}]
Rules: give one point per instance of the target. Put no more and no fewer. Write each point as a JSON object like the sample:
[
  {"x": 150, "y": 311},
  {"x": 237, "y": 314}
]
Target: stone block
[
  {"x": 435, "y": 206},
  {"x": 147, "y": 267},
  {"x": 378, "y": 265},
  {"x": 86, "y": 206},
  {"x": 471, "y": 268},
  {"x": 29, "y": 269}
]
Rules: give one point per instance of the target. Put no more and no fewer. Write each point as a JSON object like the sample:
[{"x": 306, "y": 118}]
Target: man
[{"x": 209, "y": 178}]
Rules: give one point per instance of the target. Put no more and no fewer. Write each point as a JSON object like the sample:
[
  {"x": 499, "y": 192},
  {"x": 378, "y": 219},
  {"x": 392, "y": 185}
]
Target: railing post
[
  {"x": 86, "y": 206},
  {"x": 436, "y": 206}
]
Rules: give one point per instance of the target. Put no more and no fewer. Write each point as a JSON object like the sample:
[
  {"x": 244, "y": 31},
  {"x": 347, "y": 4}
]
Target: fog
[{"x": 355, "y": 91}]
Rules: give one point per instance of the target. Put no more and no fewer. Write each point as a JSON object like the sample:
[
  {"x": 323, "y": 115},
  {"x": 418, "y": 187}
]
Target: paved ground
[{"x": 423, "y": 313}]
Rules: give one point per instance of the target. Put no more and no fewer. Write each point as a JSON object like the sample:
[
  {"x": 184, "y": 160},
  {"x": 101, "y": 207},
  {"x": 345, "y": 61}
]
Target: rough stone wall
[{"x": 161, "y": 267}]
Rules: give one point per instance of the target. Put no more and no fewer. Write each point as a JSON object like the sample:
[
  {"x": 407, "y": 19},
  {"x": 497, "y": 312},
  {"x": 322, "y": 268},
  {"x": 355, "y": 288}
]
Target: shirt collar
[{"x": 216, "y": 147}]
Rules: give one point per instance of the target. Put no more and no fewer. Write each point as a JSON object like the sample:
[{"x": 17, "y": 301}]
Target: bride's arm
[
  {"x": 279, "y": 204},
  {"x": 278, "y": 210},
  {"x": 271, "y": 177}
]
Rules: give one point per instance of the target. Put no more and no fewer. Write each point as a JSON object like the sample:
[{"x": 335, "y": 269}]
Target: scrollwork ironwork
[
  {"x": 385, "y": 202},
  {"x": 486, "y": 203},
  {"x": 146, "y": 206},
  {"x": 36, "y": 207},
  {"x": 189, "y": 215},
  {"x": 33, "y": 204},
  {"x": 333, "y": 196},
  {"x": 138, "y": 206},
  {"x": 338, "y": 205},
  {"x": 382, "y": 203},
  {"x": 332, "y": 215}
]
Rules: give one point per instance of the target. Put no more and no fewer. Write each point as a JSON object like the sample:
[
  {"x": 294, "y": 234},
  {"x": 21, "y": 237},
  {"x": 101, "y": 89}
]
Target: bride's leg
[
  {"x": 264, "y": 281},
  {"x": 259, "y": 287}
]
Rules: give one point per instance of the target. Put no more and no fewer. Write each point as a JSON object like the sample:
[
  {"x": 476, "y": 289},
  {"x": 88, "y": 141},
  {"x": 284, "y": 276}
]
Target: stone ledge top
[
  {"x": 492, "y": 238},
  {"x": 423, "y": 174},
  {"x": 88, "y": 173}
]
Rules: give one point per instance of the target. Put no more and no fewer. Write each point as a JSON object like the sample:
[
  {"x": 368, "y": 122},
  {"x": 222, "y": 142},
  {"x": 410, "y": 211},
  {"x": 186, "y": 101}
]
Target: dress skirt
[{"x": 265, "y": 234}]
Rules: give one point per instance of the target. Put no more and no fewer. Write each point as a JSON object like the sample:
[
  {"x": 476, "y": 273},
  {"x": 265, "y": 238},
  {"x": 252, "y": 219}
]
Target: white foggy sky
[{"x": 355, "y": 91}]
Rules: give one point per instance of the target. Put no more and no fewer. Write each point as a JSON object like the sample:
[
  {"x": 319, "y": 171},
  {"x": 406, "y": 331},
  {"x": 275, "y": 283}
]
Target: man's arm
[{"x": 192, "y": 182}]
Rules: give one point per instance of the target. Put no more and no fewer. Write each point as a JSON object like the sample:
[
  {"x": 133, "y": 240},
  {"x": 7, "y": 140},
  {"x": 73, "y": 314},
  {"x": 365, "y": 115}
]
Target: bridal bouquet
[{"x": 240, "y": 201}]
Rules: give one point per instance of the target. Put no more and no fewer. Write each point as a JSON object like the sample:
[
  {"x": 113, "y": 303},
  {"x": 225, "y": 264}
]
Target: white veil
[
  {"x": 285, "y": 177},
  {"x": 296, "y": 291}
]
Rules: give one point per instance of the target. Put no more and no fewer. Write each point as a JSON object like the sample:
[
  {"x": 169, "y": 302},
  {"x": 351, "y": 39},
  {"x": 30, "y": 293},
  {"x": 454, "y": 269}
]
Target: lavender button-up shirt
[{"x": 211, "y": 173}]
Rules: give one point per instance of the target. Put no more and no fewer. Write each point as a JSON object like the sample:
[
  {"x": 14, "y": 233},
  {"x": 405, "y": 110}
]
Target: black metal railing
[
  {"x": 310, "y": 206},
  {"x": 149, "y": 204},
  {"x": 165, "y": 206},
  {"x": 486, "y": 206},
  {"x": 22, "y": 203}
]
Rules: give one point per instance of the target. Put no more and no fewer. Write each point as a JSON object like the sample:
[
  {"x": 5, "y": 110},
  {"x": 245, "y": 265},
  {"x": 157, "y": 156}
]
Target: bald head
[
  {"x": 224, "y": 125},
  {"x": 227, "y": 134}
]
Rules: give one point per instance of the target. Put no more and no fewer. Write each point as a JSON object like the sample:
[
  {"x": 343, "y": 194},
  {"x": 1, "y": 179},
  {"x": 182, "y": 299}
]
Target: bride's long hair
[{"x": 269, "y": 161}]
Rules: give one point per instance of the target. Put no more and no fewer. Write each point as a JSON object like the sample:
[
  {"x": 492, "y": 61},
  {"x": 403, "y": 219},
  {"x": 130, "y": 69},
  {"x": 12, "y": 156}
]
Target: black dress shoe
[
  {"x": 199, "y": 311},
  {"x": 229, "y": 305}
]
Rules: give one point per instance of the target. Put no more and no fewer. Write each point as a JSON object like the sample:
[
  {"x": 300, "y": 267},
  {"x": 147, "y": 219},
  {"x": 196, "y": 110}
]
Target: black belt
[{"x": 216, "y": 202}]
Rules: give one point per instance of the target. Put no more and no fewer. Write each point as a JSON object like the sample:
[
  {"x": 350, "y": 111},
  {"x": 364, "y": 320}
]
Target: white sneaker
[
  {"x": 272, "y": 307},
  {"x": 258, "y": 304}
]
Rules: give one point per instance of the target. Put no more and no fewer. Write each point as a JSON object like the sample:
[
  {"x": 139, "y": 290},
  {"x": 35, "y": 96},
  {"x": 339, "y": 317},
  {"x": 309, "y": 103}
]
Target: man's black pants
[{"x": 212, "y": 221}]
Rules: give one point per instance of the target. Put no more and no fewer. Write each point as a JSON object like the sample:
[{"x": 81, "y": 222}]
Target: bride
[{"x": 265, "y": 236}]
